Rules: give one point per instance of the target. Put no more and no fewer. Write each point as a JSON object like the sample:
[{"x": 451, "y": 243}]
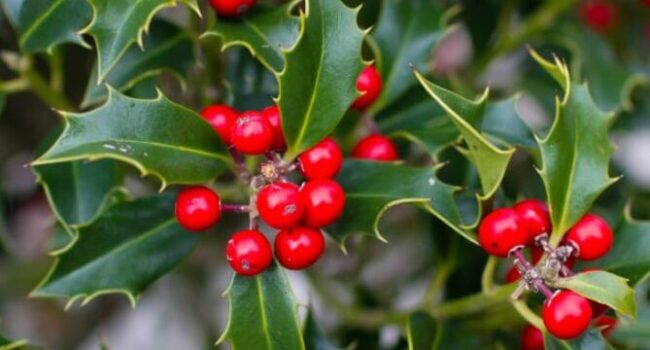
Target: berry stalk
[{"x": 537, "y": 282}]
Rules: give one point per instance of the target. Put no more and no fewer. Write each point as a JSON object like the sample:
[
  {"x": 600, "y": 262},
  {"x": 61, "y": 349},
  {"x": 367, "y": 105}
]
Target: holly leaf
[
  {"x": 371, "y": 188},
  {"x": 6, "y": 344},
  {"x": 406, "y": 33},
  {"x": 591, "y": 340},
  {"x": 117, "y": 24},
  {"x": 127, "y": 248},
  {"x": 490, "y": 161},
  {"x": 262, "y": 313},
  {"x": 11, "y": 9},
  {"x": 604, "y": 288},
  {"x": 629, "y": 256},
  {"x": 265, "y": 32},
  {"x": 575, "y": 153},
  {"x": 45, "y": 24},
  {"x": 250, "y": 84},
  {"x": 314, "y": 337},
  {"x": 317, "y": 84},
  {"x": 422, "y": 332},
  {"x": 168, "y": 48},
  {"x": 156, "y": 136},
  {"x": 503, "y": 126}
]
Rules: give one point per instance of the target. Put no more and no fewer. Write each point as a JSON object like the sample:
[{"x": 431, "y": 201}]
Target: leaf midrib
[{"x": 264, "y": 317}]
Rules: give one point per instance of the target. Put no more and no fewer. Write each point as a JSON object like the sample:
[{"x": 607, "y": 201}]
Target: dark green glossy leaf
[
  {"x": 602, "y": 287},
  {"x": 157, "y": 136},
  {"x": 314, "y": 337},
  {"x": 6, "y": 344},
  {"x": 372, "y": 188},
  {"x": 117, "y": 24},
  {"x": 422, "y": 332},
  {"x": 592, "y": 340},
  {"x": 502, "y": 125},
  {"x": 44, "y": 24},
  {"x": 166, "y": 48},
  {"x": 575, "y": 153},
  {"x": 128, "y": 247},
  {"x": 406, "y": 33},
  {"x": 263, "y": 313},
  {"x": 630, "y": 254},
  {"x": 250, "y": 84},
  {"x": 490, "y": 161},
  {"x": 78, "y": 191},
  {"x": 317, "y": 84},
  {"x": 265, "y": 32}
]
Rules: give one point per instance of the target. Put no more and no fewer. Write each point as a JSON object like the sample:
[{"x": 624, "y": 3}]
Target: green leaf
[
  {"x": 6, "y": 344},
  {"x": 117, "y": 24},
  {"x": 503, "y": 126},
  {"x": 78, "y": 191},
  {"x": 490, "y": 161},
  {"x": 11, "y": 9},
  {"x": 44, "y": 24},
  {"x": 602, "y": 287},
  {"x": 265, "y": 32},
  {"x": 262, "y": 313},
  {"x": 127, "y": 248},
  {"x": 406, "y": 33},
  {"x": 630, "y": 254},
  {"x": 157, "y": 136},
  {"x": 2, "y": 103},
  {"x": 317, "y": 84},
  {"x": 314, "y": 337},
  {"x": 422, "y": 332},
  {"x": 166, "y": 48},
  {"x": 250, "y": 84},
  {"x": 591, "y": 340},
  {"x": 371, "y": 188},
  {"x": 575, "y": 153}
]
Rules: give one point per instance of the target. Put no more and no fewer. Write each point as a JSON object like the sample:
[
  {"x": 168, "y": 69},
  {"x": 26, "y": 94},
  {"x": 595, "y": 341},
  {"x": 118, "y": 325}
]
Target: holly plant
[{"x": 428, "y": 174}]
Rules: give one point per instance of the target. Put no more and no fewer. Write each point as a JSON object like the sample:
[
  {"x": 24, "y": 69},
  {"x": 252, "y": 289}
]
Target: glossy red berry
[
  {"x": 221, "y": 118},
  {"x": 591, "y": 236},
  {"x": 513, "y": 275},
  {"x": 324, "y": 202},
  {"x": 598, "y": 15},
  {"x": 232, "y": 8},
  {"x": 606, "y": 324},
  {"x": 252, "y": 134},
  {"x": 532, "y": 339},
  {"x": 299, "y": 247},
  {"x": 280, "y": 204},
  {"x": 369, "y": 84},
  {"x": 197, "y": 208},
  {"x": 322, "y": 161},
  {"x": 375, "y": 147},
  {"x": 249, "y": 252},
  {"x": 501, "y": 231},
  {"x": 272, "y": 114},
  {"x": 566, "y": 314},
  {"x": 535, "y": 216}
]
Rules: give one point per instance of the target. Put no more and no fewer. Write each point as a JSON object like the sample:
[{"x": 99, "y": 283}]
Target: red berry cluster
[
  {"x": 232, "y": 8},
  {"x": 506, "y": 231}
]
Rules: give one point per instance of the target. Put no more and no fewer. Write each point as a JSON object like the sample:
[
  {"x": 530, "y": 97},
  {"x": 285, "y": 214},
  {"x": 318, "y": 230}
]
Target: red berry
[
  {"x": 598, "y": 15},
  {"x": 280, "y": 204},
  {"x": 324, "y": 202},
  {"x": 591, "y": 236},
  {"x": 536, "y": 254},
  {"x": 532, "y": 339},
  {"x": 232, "y": 8},
  {"x": 252, "y": 134},
  {"x": 221, "y": 118},
  {"x": 606, "y": 324},
  {"x": 272, "y": 114},
  {"x": 501, "y": 231},
  {"x": 566, "y": 314},
  {"x": 322, "y": 161},
  {"x": 513, "y": 275},
  {"x": 299, "y": 247},
  {"x": 249, "y": 252},
  {"x": 197, "y": 208},
  {"x": 369, "y": 84},
  {"x": 535, "y": 216},
  {"x": 375, "y": 147},
  {"x": 646, "y": 2}
]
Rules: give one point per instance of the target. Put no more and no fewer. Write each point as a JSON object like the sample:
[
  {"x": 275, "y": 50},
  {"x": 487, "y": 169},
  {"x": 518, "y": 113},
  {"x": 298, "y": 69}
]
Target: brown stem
[
  {"x": 235, "y": 208},
  {"x": 538, "y": 283}
]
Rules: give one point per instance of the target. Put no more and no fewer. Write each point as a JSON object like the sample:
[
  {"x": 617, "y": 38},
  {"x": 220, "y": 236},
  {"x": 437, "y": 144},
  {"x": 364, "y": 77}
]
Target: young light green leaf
[
  {"x": 263, "y": 313},
  {"x": 490, "y": 161},
  {"x": 314, "y": 337},
  {"x": 127, "y": 248},
  {"x": 166, "y": 48},
  {"x": 157, "y": 136},
  {"x": 371, "y": 188},
  {"x": 117, "y": 24},
  {"x": 422, "y": 332},
  {"x": 265, "y": 32},
  {"x": 575, "y": 153},
  {"x": 44, "y": 24},
  {"x": 317, "y": 84},
  {"x": 406, "y": 33},
  {"x": 604, "y": 288}
]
